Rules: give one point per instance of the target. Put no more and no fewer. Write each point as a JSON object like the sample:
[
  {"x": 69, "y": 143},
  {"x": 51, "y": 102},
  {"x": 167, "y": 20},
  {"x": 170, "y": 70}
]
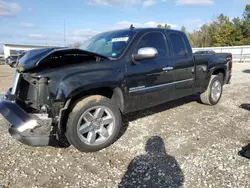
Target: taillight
[{"x": 231, "y": 63}]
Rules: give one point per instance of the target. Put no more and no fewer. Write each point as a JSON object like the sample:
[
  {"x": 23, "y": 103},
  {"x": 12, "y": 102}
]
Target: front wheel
[
  {"x": 93, "y": 124},
  {"x": 214, "y": 91}
]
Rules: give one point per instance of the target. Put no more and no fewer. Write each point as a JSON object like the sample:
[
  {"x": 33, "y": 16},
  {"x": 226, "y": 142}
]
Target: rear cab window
[{"x": 178, "y": 45}]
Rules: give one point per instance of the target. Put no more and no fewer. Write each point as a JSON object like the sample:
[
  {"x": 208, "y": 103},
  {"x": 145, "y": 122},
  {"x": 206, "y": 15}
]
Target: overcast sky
[{"x": 42, "y": 22}]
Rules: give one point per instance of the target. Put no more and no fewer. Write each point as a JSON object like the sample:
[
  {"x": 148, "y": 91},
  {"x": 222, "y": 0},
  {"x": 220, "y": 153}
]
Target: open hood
[{"x": 34, "y": 58}]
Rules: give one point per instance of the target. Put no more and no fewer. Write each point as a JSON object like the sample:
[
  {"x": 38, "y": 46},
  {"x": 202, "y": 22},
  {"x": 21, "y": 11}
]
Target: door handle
[{"x": 167, "y": 69}]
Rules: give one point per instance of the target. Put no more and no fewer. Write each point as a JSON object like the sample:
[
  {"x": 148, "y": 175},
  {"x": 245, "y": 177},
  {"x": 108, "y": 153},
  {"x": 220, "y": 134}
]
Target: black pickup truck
[{"x": 78, "y": 96}]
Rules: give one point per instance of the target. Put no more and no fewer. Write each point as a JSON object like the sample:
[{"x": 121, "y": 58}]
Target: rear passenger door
[{"x": 183, "y": 64}]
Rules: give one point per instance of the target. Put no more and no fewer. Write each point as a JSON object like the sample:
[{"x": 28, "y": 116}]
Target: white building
[{"x": 15, "y": 49}]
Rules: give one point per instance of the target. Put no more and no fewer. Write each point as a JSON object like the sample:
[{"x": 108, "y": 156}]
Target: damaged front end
[
  {"x": 30, "y": 130},
  {"x": 29, "y": 120},
  {"x": 31, "y": 106}
]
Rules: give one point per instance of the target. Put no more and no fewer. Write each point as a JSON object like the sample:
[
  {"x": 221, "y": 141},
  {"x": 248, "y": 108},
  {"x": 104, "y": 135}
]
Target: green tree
[
  {"x": 164, "y": 26},
  {"x": 246, "y": 25},
  {"x": 167, "y": 26},
  {"x": 223, "y": 36},
  {"x": 222, "y": 19},
  {"x": 223, "y": 31},
  {"x": 205, "y": 35},
  {"x": 246, "y": 14},
  {"x": 183, "y": 29},
  {"x": 159, "y": 26},
  {"x": 237, "y": 34},
  {"x": 195, "y": 39}
]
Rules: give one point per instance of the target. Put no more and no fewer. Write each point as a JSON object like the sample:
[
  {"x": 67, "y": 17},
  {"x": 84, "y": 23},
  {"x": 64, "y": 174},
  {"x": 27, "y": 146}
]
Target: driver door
[{"x": 148, "y": 83}]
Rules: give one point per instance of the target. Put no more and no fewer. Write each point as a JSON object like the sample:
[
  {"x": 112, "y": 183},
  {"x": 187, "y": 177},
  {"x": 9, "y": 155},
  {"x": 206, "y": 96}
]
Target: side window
[
  {"x": 155, "y": 40},
  {"x": 178, "y": 43}
]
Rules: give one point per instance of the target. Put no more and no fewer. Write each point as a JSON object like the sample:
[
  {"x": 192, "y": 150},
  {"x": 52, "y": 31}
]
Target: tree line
[{"x": 222, "y": 31}]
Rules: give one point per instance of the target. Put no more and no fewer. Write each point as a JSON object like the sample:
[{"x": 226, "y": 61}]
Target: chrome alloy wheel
[
  {"x": 96, "y": 125},
  {"x": 216, "y": 90}
]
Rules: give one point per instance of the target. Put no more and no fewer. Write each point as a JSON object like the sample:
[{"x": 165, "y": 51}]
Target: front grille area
[
  {"x": 24, "y": 88},
  {"x": 31, "y": 92},
  {"x": 28, "y": 93},
  {"x": 16, "y": 81}
]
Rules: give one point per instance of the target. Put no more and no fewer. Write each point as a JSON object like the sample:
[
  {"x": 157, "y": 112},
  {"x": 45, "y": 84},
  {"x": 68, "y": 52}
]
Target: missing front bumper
[{"x": 25, "y": 128}]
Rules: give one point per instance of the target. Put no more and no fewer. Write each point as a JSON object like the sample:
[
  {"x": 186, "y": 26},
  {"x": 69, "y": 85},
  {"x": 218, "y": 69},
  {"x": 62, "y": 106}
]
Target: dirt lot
[
  {"x": 6, "y": 75},
  {"x": 201, "y": 145}
]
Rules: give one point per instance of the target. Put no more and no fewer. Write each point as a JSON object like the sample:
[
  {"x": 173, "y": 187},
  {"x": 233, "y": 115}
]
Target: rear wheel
[
  {"x": 93, "y": 124},
  {"x": 214, "y": 91}
]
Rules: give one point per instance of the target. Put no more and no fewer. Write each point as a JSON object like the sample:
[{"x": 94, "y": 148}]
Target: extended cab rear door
[{"x": 183, "y": 64}]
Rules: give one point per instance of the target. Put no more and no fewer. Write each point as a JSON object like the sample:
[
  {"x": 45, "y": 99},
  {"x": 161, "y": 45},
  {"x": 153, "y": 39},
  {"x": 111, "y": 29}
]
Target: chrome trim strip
[
  {"x": 162, "y": 85},
  {"x": 136, "y": 88},
  {"x": 167, "y": 68},
  {"x": 187, "y": 80}
]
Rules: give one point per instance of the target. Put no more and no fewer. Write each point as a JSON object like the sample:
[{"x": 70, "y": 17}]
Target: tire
[
  {"x": 207, "y": 97},
  {"x": 89, "y": 116}
]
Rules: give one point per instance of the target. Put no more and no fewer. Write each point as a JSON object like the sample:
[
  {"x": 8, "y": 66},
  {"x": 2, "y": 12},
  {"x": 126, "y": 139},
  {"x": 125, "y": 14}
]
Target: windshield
[{"x": 110, "y": 44}]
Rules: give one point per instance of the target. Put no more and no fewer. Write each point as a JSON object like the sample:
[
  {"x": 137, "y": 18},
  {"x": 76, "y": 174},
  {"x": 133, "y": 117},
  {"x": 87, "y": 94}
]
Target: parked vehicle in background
[
  {"x": 2, "y": 61},
  {"x": 11, "y": 60},
  {"x": 82, "y": 93}
]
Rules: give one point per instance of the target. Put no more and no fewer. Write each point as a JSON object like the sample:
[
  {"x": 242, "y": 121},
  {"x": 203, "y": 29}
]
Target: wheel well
[
  {"x": 103, "y": 91},
  {"x": 114, "y": 94},
  {"x": 218, "y": 71}
]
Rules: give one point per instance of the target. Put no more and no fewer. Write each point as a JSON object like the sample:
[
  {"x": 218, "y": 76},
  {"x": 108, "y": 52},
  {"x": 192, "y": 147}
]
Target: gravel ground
[
  {"x": 6, "y": 75},
  {"x": 178, "y": 144}
]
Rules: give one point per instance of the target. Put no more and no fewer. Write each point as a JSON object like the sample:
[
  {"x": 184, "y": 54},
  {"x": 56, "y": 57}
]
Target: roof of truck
[{"x": 145, "y": 29}]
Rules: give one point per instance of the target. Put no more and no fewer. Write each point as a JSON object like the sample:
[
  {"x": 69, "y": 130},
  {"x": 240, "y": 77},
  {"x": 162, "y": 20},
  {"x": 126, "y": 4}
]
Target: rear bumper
[
  {"x": 26, "y": 128},
  {"x": 228, "y": 81}
]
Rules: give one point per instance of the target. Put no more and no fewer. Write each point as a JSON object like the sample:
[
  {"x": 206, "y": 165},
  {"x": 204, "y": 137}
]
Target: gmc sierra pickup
[{"x": 78, "y": 96}]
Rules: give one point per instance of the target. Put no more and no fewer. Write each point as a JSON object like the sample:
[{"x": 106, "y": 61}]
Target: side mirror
[{"x": 145, "y": 53}]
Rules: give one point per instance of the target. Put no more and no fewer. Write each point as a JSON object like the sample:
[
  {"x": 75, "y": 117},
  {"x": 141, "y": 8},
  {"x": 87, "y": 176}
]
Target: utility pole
[{"x": 64, "y": 34}]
